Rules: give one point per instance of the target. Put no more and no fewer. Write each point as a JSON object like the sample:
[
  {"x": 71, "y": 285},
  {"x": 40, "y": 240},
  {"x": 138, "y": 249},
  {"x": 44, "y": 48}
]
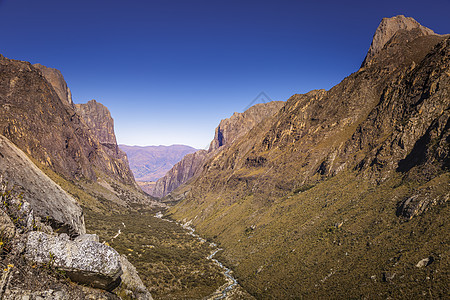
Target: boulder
[
  {"x": 132, "y": 285},
  {"x": 84, "y": 261}
]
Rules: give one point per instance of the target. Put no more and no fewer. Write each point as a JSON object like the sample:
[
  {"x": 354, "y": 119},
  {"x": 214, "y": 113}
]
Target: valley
[{"x": 332, "y": 194}]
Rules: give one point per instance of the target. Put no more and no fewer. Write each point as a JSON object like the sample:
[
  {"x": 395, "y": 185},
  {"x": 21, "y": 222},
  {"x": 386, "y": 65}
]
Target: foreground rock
[
  {"x": 47, "y": 200},
  {"x": 84, "y": 261},
  {"x": 132, "y": 285}
]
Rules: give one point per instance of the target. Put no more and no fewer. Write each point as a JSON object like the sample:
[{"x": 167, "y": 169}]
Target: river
[{"x": 224, "y": 290}]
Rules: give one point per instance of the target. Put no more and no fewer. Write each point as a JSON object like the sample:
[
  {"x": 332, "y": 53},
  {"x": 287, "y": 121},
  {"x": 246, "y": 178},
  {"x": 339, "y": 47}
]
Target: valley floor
[{"x": 172, "y": 263}]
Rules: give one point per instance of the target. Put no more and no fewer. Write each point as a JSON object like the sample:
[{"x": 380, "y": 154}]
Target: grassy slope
[
  {"x": 171, "y": 263},
  {"x": 339, "y": 239}
]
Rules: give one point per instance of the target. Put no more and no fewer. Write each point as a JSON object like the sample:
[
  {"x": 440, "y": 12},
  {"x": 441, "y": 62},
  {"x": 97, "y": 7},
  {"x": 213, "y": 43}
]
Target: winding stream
[{"x": 232, "y": 282}]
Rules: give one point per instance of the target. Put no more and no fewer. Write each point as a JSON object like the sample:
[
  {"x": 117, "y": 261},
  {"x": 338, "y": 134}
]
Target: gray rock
[
  {"x": 46, "y": 199},
  {"x": 87, "y": 237},
  {"x": 7, "y": 228},
  {"x": 84, "y": 261},
  {"x": 131, "y": 282},
  {"x": 424, "y": 262}
]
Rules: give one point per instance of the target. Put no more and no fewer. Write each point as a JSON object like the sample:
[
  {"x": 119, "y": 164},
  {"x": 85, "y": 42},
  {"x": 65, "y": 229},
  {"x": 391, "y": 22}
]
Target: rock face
[
  {"x": 56, "y": 136},
  {"x": 239, "y": 124},
  {"x": 180, "y": 173},
  {"x": 228, "y": 131},
  {"x": 152, "y": 162},
  {"x": 48, "y": 201},
  {"x": 133, "y": 286},
  {"x": 388, "y": 28},
  {"x": 99, "y": 120},
  {"x": 56, "y": 79},
  {"x": 84, "y": 261},
  {"x": 356, "y": 155}
]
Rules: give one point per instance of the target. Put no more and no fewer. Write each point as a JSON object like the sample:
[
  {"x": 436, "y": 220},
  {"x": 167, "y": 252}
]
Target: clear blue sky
[{"x": 170, "y": 70}]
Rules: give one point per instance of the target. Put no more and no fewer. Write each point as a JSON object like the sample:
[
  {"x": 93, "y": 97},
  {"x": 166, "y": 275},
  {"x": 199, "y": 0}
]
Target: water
[{"x": 226, "y": 271}]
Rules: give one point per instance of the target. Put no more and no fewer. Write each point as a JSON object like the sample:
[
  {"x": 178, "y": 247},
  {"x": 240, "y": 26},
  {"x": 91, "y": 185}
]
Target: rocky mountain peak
[
  {"x": 388, "y": 28},
  {"x": 56, "y": 79},
  {"x": 99, "y": 120}
]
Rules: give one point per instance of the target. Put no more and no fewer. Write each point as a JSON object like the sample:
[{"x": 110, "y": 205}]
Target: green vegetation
[
  {"x": 338, "y": 239},
  {"x": 171, "y": 263}
]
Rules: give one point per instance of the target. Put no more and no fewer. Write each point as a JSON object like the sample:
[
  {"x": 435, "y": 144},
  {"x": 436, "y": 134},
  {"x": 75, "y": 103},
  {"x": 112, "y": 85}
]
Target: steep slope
[
  {"x": 151, "y": 162},
  {"x": 98, "y": 119},
  {"x": 312, "y": 202},
  {"x": 48, "y": 201},
  {"x": 180, "y": 173},
  {"x": 228, "y": 131},
  {"x": 56, "y": 137},
  {"x": 56, "y": 79}
]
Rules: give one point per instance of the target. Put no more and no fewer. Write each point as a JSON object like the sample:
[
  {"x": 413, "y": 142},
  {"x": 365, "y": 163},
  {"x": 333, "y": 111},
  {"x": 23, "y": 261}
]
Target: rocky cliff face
[
  {"x": 56, "y": 79},
  {"x": 52, "y": 132},
  {"x": 180, "y": 173},
  {"x": 228, "y": 131},
  {"x": 327, "y": 167},
  {"x": 98, "y": 119},
  {"x": 239, "y": 124},
  {"x": 388, "y": 28},
  {"x": 46, "y": 199}
]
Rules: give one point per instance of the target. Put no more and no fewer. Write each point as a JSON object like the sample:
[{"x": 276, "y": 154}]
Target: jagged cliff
[
  {"x": 180, "y": 173},
  {"x": 228, "y": 131},
  {"x": 98, "y": 119},
  {"x": 52, "y": 132},
  {"x": 239, "y": 124},
  {"x": 313, "y": 202},
  {"x": 56, "y": 79}
]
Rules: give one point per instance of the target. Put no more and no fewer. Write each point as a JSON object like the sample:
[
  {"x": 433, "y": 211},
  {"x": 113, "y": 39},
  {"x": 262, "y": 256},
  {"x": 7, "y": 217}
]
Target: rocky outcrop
[
  {"x": 180, "y": 173},
  {"x": 56, "y": 79},
  {"x": 84, "y": 260},
  {"x": 132, "y": 285},
  {"x": 99, "y": 120},
  {"x": 47, "y": 200},
  {"x": 228, "y": 131},
  {"x": 57, "y": 137},
  {"x": 239, "y": 124},
  {"x": 152, "y": 162},
  {"x": 388, "y": 28}
]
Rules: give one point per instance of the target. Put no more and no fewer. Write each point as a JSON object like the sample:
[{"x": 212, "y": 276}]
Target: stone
[
  {"x": 425, "y": 262},
  {"x": 131, "y": 282},
  {"x": 84, "y": 261},
  {"x": 87, "y": 237},
  {"x": 41, "y": 196},
  {"x": 7, "y": 228},
  {"x": 387, "y": 29},
  {"x": 56, "y": 79}
]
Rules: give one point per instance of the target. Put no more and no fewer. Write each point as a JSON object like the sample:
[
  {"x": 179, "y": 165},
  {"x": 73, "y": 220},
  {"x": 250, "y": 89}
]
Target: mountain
[
  {"x": 151, "y": 162},
  {"x": 341, "y": 193},
  {"x": 226, "y": 133},
  {"x": 61, "y": 139},
  {"x": 56, "y": 79}
]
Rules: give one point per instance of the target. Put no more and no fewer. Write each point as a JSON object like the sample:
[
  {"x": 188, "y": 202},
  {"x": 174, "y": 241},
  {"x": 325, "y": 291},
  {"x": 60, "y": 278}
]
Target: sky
[{"x": 170, "y": 70}]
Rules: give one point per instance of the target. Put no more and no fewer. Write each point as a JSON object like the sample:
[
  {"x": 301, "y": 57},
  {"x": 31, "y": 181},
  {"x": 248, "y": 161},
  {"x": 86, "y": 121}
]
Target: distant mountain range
[{"x": 150, "y": 163}]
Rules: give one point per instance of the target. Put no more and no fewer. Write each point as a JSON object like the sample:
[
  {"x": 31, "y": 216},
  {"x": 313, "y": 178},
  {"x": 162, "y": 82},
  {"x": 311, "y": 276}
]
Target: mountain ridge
[{"x": 324, "y": 185}]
